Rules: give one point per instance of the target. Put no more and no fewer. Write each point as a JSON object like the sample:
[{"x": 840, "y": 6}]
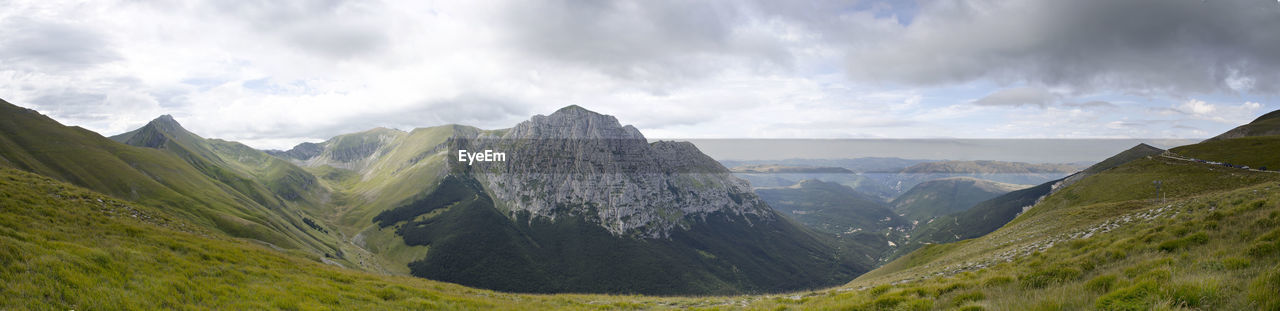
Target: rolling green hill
[
  {"x": 179, "y": 179},
  {"x": 946, "y": 196}
]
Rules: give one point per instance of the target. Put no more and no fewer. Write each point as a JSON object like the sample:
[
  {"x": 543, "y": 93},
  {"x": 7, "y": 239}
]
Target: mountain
[
  {"x": 945, "y": 196},
  {"x": 1265, "y": 125},
  {"x": 986, "y": 167},
  {"x": 581, "y": 204},
  {"x": 264, "y": 178},
  {"x": 177, "y": 173}
]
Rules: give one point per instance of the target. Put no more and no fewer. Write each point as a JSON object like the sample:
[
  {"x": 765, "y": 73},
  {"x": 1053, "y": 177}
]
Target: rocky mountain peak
[
  {"x": 166, "y": 124},
  {"x": 574, "y": 122}
]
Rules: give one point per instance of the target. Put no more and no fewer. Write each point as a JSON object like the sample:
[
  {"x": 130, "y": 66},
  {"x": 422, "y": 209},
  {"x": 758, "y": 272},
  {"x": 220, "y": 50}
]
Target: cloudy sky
[{"x": 276, "y": 73}]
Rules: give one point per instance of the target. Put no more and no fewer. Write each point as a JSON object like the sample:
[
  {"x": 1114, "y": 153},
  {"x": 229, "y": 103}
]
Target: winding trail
[{"x": 1174, "y": 156}]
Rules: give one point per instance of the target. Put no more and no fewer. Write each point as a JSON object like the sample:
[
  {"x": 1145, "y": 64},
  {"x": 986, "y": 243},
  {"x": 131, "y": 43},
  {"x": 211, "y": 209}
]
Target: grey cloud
[
  {"x": 41, "y": 46},
  {"x": 483, "y": 111},
  {"x": 648, "y": 41},
  {"x": 1022, "y": 96},
  {"x": 1090, "y": 104},
  {"x": 70, "y": 104},
  {"x": 333, "y": 28},
  {"x": 1141, "y": 46}
]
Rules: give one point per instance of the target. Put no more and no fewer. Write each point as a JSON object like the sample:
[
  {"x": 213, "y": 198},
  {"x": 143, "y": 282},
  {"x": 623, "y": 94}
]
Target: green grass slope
[
  {"x": 987, "y": 216},
  {"x": 1216, "y": 250},
  {"x": 1255, "y": 152},
  {"x": 1106, "y": 242},
  {"x": 153, "y": 177}
]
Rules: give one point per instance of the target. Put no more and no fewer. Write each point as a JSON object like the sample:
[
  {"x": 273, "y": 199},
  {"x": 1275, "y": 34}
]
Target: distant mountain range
[{"x": 888, "y": 181}]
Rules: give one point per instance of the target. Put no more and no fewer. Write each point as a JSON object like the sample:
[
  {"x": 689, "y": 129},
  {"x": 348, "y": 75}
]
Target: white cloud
[{"x": 1221, "y": 113}]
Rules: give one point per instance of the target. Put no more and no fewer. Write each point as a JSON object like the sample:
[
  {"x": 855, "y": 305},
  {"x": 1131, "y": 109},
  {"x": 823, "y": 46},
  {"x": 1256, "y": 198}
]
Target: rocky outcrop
[
  {"x": 579, "y": 163},
  {"x": 301, "y": 152}
]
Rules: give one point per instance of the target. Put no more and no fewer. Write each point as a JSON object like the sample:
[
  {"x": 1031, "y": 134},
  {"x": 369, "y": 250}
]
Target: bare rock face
[{"x": 578, "y": 163}]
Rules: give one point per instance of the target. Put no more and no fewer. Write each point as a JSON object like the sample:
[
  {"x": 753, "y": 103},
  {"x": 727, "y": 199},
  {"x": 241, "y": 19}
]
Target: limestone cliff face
[{"x": 579, "y": 163}]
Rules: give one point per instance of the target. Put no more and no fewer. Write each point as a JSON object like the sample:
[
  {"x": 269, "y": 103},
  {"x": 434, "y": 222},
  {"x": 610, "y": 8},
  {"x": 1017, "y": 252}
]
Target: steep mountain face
[
  {"x": 1265, "y": 125},
  {"x": 945, "y": 196},
  {"x": 577, "y": 162}
]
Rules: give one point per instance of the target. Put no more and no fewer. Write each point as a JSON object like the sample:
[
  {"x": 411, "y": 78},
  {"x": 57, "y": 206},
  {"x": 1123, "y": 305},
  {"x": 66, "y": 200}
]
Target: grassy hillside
[
  {"x": 1211, "y": 245},
  {"x": 987, "y": 216},
  {"x": 64, "y": 247},
  {"x": 210, "y": 196},
  {"x": 946, "y": 196},
  {"x": 1256, "y": 152}
]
